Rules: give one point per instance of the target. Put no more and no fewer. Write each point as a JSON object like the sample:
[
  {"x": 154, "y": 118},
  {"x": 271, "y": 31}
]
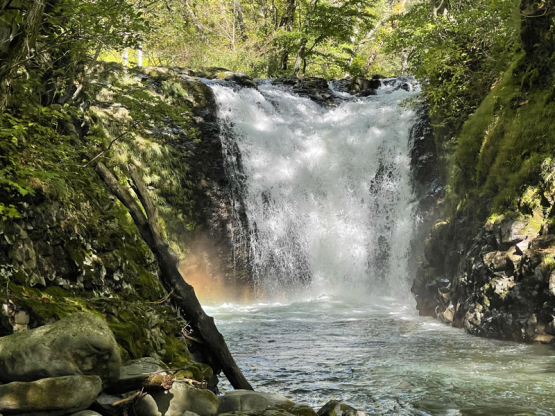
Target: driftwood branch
[
  {"x": 149, "y": 382},
  {"x": 129, "y": 400},
  {"x": 184, "y": 294}
]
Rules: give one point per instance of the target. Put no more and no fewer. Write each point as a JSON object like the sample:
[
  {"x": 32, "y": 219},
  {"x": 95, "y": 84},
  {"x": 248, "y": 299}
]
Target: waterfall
[{"x": 324, "y": 193}]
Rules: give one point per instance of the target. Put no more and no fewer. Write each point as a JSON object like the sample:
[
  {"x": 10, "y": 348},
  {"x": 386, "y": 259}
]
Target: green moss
[
  {"x": 50, "y": 304},
  {"x": 153, "y": 121},
  {"x": 500, "y": 153}
]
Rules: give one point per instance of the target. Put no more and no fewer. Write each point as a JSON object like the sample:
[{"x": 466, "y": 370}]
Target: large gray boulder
[
  {"x": 49, "y": 396},
  {"x": 252, "y": 401},
  {"x": 81, "y": 344},
  {"x": 179, "y": 399}
]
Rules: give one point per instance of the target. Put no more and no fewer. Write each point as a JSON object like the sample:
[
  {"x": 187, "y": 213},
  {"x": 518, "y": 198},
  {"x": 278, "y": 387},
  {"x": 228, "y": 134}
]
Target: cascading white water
[
  {"x": 327, "y": 198},
  {"x": 327, "y": 191}
]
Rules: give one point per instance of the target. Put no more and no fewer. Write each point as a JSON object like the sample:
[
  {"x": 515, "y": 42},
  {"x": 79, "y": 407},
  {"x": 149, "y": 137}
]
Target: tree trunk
[
  {"x": 287, "y": 23},
  {"x": 300, "y": 57},
  {"x": 440, "y": 7},
  {"x": 182, "y": 293},
  {"x": 22, "y": 47},
  {"x": 239, "y": 16},
  {"x": 194, "y": 18},
  {"x": 372, "y": 57}
]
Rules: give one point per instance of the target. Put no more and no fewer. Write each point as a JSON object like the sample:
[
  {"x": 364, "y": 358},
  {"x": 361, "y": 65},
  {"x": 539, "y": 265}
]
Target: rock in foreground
[
  {"x": 252, "y": 401},
  {"x": 49, "y": 396},
  {"x": 179, "y": 399},
  {"x": 81, "y": 344}
]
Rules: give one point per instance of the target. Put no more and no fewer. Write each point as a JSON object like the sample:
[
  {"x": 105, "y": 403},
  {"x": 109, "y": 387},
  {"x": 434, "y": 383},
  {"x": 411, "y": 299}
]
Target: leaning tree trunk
[{"x": 183, "y": 293}]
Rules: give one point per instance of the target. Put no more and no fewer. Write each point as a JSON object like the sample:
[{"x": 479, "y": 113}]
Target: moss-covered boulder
[
  {"x": 81, "y": 344},
  {"x": 49, "y": 396}
]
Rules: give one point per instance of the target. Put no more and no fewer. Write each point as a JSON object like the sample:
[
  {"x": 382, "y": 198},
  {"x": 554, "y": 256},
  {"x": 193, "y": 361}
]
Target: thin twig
[
  {"x": 165, "y": 298},
  {"x": 109, "y": 146},
  {"x": 190, "y": 338},
  {"x": 138, "y": 395}
]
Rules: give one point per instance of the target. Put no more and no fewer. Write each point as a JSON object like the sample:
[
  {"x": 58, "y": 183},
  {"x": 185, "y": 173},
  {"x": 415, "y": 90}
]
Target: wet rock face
[
  {"x": 427, "y": 181},
  {"x": 497, "y": 283},
  {"x": 219, "y": 240},
  {"x": 317, "y": 89}
]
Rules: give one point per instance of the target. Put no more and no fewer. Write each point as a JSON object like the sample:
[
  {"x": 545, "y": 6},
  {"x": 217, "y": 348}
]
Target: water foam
[{"x": 327, "y": 191}]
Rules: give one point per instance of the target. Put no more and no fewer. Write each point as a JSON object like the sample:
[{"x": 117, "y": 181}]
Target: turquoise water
[{"x": 382, "y": 358}]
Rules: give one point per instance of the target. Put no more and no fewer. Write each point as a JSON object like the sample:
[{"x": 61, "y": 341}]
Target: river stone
[
  {"x": 86, "y": 413},
  {"x": 49, "y": 396},
  {"x": 252, "y": 401},
  {"x": 178, "y": 400},
  {"x": 336, "y": 408},
  {"x": 134, "y": 368},
  {"x": 511, "y": 232},
  {"x": 104, "y": 403},
  {"x": 303, "y": 410},
  {"x": 498, "y": 261},
  {"x": 542, "y": 242},
  {"x": 551, "y": 286},
  {"x": 82, "y": 343}
]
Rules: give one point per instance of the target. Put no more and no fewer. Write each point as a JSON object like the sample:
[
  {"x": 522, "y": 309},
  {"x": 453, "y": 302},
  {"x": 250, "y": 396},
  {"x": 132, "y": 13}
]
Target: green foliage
[
  {"x": 8, "y": 212},
  {"x": 252, "y": 37},
  {"x": 505, "y": 147},
  {"x": 458, "y": 55}
]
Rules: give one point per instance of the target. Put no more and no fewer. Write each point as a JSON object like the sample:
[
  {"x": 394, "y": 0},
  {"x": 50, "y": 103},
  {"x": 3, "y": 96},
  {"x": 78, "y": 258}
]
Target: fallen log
[{"x": 181, "y": 292}]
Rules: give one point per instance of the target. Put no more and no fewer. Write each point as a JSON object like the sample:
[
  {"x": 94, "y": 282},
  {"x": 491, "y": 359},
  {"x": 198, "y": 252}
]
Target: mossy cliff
[
  {"x": 67, "y": 245},
  {"x": 489, "y": 263}
]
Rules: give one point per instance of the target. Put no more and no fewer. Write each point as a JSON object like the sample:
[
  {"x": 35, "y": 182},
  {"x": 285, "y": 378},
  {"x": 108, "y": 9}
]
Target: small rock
[
  {"x": 511, "y": 232},
  {"x": 86, "y": 413},
  {"x": 252, "y": 401},
  {"x": 543, "y": 338},
  {"x": 522, "y": 247},
  {"x": 336, "y": 408},
  {"x": 303, "y": 410},
  {"x": 498, "y": 261},
  {"x": 104, "y": 403},
  {"x": 140, "y": 366},
  {"x": 449, "y": 314},
  {"x": 543, "y": 241},
  {"x": 178, "y": 400},
  {"x": 552, "y": 283},
  {"x": 56, "y": 395}
]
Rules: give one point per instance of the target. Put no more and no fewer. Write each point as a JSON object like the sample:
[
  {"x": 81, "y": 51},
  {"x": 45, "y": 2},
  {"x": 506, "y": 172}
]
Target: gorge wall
[
  {"x": 73, "y": 247},
  {"x": 489, "y": 264}
]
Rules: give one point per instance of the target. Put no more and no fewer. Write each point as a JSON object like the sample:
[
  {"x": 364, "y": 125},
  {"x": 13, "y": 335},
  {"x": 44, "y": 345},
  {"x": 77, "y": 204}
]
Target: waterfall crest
[{"x": 326, "y": 195}]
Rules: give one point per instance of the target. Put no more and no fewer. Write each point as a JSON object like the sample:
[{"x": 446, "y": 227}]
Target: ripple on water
[{"x": 382, "y": 358}]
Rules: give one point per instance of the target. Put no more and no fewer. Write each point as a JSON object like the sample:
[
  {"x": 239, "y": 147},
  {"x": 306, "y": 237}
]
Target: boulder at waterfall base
[
  {"x": 49, "y": 396},
  {"x": 178, "y": 400},
  {"x": 81, "y": 344}
]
